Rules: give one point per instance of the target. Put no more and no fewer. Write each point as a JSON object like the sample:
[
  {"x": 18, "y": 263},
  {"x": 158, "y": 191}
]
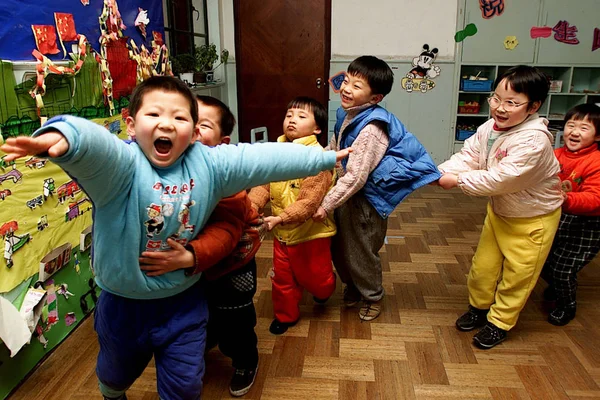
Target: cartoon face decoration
[{"x": 419, "y": 78}]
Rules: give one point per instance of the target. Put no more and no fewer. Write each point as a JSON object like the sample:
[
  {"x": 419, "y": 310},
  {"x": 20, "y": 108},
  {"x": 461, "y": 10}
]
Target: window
[{"x": 186, "y": 25}]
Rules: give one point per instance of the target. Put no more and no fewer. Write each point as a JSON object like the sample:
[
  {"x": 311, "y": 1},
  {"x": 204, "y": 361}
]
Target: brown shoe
[{"x": 369, "y": 311}]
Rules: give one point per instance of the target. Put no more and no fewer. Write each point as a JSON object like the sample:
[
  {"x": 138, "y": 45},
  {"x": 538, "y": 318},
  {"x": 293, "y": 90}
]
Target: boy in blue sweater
[{"x": 162, "y": 186}]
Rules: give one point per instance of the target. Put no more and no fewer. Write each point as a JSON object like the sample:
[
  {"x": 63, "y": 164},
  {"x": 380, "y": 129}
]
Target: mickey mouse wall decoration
[{"x": 419, "y": 79}]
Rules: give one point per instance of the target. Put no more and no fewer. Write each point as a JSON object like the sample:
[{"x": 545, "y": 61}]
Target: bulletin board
[
  {"x": 45, "y": 226},
  {"x": 17, "y": 16}
]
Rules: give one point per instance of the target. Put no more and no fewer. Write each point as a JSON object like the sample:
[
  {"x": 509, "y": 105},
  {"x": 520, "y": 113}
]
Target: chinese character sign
[
  {"x": 565, "y": 33},
  {"x": 490, "y": 8},
  {"x": 596, "y": 41}
]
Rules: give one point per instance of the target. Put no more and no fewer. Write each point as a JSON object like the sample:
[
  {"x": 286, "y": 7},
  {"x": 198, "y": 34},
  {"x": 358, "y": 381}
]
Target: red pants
[{"x": 295, "y": 268}]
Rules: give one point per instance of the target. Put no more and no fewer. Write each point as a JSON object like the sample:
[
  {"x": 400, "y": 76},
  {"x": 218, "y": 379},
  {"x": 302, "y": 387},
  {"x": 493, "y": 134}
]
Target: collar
[
  {"x": 354, "y": 111},
  {"x": 306, "y": 140},
  {"x": 583, "y": 152}
]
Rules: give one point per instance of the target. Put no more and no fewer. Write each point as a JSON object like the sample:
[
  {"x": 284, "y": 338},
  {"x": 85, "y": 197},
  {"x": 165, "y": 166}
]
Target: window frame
[{"x": 172, "y": 33}]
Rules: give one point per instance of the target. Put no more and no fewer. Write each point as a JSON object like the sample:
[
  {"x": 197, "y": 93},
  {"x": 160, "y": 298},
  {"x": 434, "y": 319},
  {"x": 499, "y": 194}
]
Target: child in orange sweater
[{"x": 577, "y": 240}]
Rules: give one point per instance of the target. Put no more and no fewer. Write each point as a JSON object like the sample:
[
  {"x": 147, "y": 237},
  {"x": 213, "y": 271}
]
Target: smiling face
[
  {"x": 580, "y": 134},
  {"x": 356, "y": 91},
  {"x": 162, "y": 127},
  {"x": 209, "y": 125},
  {"x": 506, "y": 119},
  {"x": 299, "y": 123}
]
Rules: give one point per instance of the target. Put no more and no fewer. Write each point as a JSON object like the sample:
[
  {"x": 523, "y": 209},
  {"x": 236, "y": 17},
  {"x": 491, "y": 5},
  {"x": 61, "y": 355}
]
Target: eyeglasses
[{"x": 509, "y": 105}]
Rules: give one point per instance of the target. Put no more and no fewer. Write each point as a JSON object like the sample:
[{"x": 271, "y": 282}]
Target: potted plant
[
  {"x": 206, "y": 56},
  {"x": 184, "y": 66}
]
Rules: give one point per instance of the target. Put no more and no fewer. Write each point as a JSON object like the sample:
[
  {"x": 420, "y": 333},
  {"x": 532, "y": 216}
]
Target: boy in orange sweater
[
  {"x": 224, "y": 251},
  {"x": 577, "y": 240}
]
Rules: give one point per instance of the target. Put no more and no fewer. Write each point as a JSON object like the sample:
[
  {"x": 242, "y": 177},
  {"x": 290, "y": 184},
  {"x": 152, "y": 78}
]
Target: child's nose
[{"x": 166, "y": 123}]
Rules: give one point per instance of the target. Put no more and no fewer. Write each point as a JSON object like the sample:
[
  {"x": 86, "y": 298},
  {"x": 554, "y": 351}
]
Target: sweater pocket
[{"x": 393, "y": 169}]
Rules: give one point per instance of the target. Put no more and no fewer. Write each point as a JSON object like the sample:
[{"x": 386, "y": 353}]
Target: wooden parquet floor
[{"x": 412, "y": 351}]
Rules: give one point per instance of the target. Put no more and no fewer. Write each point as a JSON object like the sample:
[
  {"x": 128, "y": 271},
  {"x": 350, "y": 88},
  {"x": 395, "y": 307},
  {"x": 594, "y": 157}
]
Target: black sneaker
[
  {"x": 561, "y": 316},
  {"x": 277, "y": 328},
  {"x": 549, "y": 293},
  {"x": 489, "y": 336},
  {"x": 474, "y": 318},
  {"x": 121, "y": 397},
  {"x": 242, "y": 381}
]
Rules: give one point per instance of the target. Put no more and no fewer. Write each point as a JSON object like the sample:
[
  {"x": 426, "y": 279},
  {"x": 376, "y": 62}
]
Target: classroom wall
[
  {"x": 394, "y": 30},
  {"x": 389, "y": 28}
]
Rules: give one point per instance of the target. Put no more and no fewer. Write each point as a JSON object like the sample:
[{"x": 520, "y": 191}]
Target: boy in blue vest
[
  {"x": 165, "y": 182},
  {"x": 386, "y": 165}
]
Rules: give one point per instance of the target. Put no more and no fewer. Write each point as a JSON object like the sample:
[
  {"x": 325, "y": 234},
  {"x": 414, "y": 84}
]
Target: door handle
[{"x": 319, "y": 83}]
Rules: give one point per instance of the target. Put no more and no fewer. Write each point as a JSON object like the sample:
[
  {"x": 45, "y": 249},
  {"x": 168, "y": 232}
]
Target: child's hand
[
  {"x": 448, "y": 181},
  {"x": 320, "y": 215},
  {"x": 271, "y": 222},
  {"x": 156, "y": 263},
  {"x": 52, "y": 142},
  {"x": 340, "y": 155}
]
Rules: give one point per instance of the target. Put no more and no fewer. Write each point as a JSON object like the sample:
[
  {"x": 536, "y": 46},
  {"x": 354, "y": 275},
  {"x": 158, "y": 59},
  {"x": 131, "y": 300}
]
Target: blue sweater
[{"x": 138, "y": 206}]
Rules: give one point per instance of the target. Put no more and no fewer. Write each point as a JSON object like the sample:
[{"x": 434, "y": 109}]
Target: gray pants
[{"x": 355, "y": 249}]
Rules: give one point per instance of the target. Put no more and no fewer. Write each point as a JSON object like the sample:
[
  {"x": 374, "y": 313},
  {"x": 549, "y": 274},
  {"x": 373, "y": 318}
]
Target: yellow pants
[{"x": 507, "y": 264}]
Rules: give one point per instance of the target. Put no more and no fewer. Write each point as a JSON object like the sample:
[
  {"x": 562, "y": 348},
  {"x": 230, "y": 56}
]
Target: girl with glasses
[{"x": 511, "y": 160}]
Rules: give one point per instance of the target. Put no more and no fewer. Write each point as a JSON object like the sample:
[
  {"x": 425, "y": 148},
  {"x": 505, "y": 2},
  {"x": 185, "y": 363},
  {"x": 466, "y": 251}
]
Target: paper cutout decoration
[
  {"x": 565, "y": 33},
  {"x": 419, "y": 78},
  {"x": 66, "y": 29},
  {"x": 12, "y": 241},
  {"x": 141, "y": 21},
  {"x": 45, "y": 38},
  {"x": 70, "y": 319},
  {"x": 157, "y": 39},
  {"x": 417, "y": 85},
  {"x": 490, "y": 8},
  {"x": 540, "y": 32},
  {"x": 52, "y": 303},
  {"x": 63, "y": 290},
  {"x": 596, "y": 41},
  {"x": 470, "y": 30},
  {"x": 510, "y": 42},
  {"x": 54, "y": 261},
  {"x": 336, "y": 81}
]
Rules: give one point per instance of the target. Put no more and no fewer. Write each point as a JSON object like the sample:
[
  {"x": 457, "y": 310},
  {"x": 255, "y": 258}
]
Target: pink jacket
[{"x": 519, "y": 172}]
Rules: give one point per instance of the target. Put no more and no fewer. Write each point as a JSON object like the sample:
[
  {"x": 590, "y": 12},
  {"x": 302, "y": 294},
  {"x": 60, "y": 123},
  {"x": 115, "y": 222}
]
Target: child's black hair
[
  {"x": 377, "y": 72},
  {"x": 227, "y": 119},
  {"x": 314, "y": 106},
  {"x": 165, "y": 84},
  {"x": 583, "y": 111},
  {"x": 527, "y": 80}
]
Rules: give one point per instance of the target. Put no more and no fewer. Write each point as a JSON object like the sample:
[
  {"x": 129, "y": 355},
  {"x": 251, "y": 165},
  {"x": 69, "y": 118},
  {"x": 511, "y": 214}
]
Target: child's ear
[
  {"x": 195, "y": 134},
  {"x": 317, "y": 131},
  {"x": 535, "y": 106},
  {"x": 225, "y": 140},
  {"x": 130, "y": 126},
  {"x": 376, "y": 98}
]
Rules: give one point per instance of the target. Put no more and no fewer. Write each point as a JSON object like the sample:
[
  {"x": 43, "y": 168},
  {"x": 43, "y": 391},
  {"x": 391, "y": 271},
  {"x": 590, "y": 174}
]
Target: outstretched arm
[{"x": 52, "y": 142}]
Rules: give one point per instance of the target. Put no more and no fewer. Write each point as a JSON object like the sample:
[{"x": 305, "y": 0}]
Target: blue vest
[{"x": 405, "y": 167}]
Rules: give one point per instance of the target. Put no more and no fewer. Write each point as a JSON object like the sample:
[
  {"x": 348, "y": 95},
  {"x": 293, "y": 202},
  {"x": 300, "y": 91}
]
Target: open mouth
[
  {"x": 346, "y": 99},
  {"x": 163, "y": 145}
]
